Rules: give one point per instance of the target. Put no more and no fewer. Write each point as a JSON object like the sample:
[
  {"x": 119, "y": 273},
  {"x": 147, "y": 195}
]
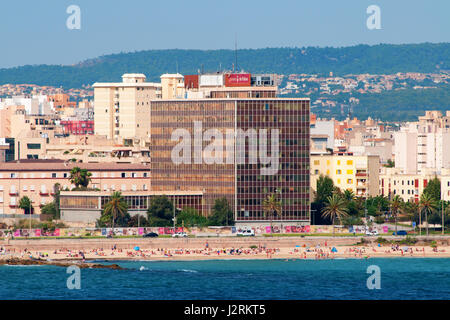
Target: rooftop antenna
[{"x": 235, "y": 52}]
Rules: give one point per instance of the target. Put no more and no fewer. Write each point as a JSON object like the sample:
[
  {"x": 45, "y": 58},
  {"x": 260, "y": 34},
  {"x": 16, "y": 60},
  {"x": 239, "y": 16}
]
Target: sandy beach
[{"x": 216, "y": 248}]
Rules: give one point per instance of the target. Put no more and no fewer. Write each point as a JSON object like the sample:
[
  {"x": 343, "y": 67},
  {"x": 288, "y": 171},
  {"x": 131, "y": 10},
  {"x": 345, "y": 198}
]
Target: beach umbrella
[
  {"x": 334, "y": 249},
  {"x": 297, "y": 246},
  {"x": 136, "y": 248}
]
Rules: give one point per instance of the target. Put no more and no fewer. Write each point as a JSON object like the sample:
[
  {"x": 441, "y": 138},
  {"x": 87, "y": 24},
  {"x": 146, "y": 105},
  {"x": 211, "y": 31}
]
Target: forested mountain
[{"x": 377, "y": 59}]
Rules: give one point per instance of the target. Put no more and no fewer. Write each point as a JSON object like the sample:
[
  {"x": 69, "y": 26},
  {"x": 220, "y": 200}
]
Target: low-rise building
[
  {"x": 37, "y": 178},
  {"x": 359, "y": 174},
  {"x": 85, "y": 207}
]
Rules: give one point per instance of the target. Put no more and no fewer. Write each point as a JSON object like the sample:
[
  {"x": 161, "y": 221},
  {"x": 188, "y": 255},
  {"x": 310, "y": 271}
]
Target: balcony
[{"x": 361, "y": 174}]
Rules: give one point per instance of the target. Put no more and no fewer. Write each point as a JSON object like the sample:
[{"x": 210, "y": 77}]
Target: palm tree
[
  {"x": 116, "y": 206},
  {"x": 427, "y": 205},
  {"x": 396, "y": 208},
  {"x": 25, "y": 204},
  {"x": 335, "y": 208},
  {"x": 271, "y": 206},
  {"x": 348, "y": 195},
  {"x": 79, "y": 177}
]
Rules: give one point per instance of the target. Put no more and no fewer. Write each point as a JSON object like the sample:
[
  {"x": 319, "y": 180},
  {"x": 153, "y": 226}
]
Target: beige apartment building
[
  {"x": 411, "y": 186},
  {"x": 122, "y": 110},
  {"x": 359, "y": 174},
  {"x": 37, "y": 178}
]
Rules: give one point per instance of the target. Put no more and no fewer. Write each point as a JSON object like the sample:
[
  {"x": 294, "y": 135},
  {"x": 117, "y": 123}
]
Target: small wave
[
  {"x": 142, "y": 268},
  {"x": 188, "y": 270}
]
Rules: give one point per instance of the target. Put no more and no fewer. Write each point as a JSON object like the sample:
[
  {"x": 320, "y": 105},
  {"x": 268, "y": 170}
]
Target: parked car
[
  {"x": 179, "y": 235},
  {"x": 246, "y": 233},
  {"x": 151, "y": 235},
  {"x": 373, "y": 232},
  {"x": 400, "y": 233}
]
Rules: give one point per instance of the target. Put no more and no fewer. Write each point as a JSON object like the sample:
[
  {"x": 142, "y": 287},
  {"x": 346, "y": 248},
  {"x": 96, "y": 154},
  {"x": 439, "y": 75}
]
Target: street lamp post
[{"x": 29, "y": 212}]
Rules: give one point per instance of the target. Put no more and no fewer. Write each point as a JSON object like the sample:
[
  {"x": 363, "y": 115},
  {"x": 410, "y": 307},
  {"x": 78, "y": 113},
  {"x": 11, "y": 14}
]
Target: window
[
  {"x": 123, "y": 175},
  {"x": 53, "y": 175},
  {"x": 349, "y": 162},
  {"x": 316, "y": 162},
  {"x": 13, "y": 175},
  {"x": 338, "y": 171},
  {"x": 338, "y": 181},
  {"x": 134, "y": 175},
  {"x": 349, "y": 181},
  {"x": 33, "y": 145},
  {"x": 145, "y": 175},
  {"x": 316, "y": 171},
  {"x": 349, "y": 171}
]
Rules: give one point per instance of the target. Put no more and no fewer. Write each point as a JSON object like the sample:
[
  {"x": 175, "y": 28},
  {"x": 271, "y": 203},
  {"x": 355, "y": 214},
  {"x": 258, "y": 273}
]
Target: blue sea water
[{"x": 408, "y": 278}]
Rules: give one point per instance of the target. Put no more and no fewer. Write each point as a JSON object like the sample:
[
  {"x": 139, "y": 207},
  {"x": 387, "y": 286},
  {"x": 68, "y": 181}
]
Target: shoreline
[{"x": 191, "y": 249}]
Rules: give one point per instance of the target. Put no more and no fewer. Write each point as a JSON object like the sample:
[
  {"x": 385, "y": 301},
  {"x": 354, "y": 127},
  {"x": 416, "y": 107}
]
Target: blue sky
[{"x": 35, "y": 32}]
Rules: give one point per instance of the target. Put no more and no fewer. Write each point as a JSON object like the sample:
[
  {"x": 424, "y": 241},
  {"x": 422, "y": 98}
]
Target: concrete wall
[{"x": 80, "y": 216}]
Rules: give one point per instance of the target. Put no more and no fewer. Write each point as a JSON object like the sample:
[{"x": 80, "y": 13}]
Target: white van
[{"x": 246, "y": 233}]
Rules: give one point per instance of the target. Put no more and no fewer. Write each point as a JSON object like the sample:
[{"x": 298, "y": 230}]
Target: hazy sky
[{"x": 35, "y": 32}]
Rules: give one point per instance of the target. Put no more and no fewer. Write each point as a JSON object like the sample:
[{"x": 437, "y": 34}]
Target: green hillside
[{"x": 377, "y": 59}]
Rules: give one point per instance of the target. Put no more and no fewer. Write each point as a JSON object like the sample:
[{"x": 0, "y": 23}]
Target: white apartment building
[
  {"x": 421, "y": 147},
  {"x": 35, "y": 105}
]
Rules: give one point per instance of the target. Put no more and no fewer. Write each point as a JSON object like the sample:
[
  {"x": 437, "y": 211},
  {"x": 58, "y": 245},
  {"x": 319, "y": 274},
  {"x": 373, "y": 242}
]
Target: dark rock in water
[{"x": 28, "y": 262}]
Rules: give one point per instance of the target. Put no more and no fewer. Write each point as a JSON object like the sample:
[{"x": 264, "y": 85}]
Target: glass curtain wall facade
[
  {"x": 241, "y": 183},
  {"x": 214, "y": 180},
  {"x": 290, "y": 183}
]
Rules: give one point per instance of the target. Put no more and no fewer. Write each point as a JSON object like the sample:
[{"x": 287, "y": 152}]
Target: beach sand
[{"x": 214, "y": 248}]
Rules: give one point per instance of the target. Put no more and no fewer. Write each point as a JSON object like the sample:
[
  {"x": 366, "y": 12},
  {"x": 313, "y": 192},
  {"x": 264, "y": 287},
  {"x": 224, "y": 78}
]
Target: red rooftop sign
[{"x": 237, "y": 80}]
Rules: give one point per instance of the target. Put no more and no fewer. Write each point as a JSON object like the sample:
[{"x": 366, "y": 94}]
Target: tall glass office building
[{"x": 241, "y": 176}]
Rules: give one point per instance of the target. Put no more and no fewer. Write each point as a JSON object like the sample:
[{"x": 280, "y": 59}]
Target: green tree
[
  {"x": 222, "y": 215},
  {"x": 189, "y": 217},
  {"x": 50, "y": 209},
  {"x": 397, "y": 206},
  {"x": 160, "y": 212},
  {"x": 272, "y": 207},
  {"x": 427, "y": 205},
  {"x": 335, "y": 209},
  {"x": 324, "y": 189},
  {"x": 80, "y": 177},
  {"x": 389, "y": 164},
  {"x": 348, "y": 195},
  {"x": 433, "y": 188},
  {"x": 56, "y": 200},
  {"x": 25, "y": 205},
  {"x": 137, "y": 221},
  {"x": 116, "y": 209}
]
